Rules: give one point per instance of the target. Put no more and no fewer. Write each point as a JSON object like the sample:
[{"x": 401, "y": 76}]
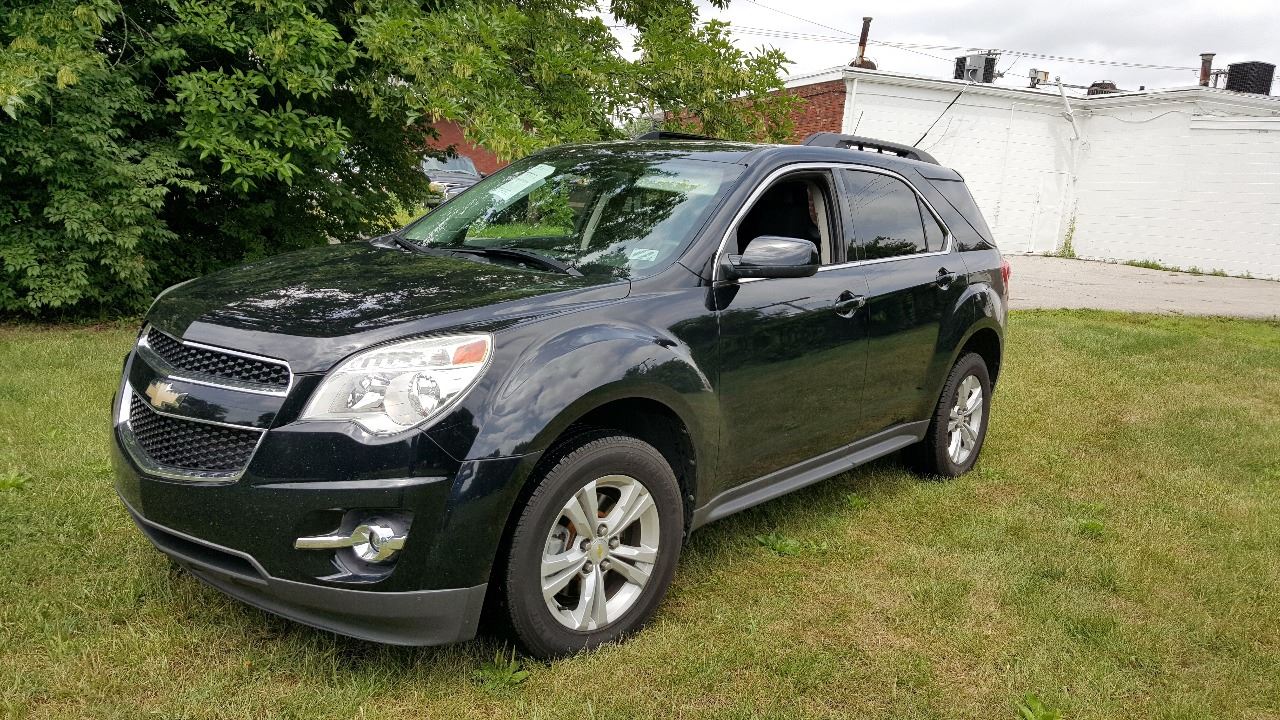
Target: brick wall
[
  {"x": 451, "y": 134},
  {"x": 823, "y": 110}
]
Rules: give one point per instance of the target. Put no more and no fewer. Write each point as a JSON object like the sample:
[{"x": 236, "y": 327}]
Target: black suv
[{"x": 526, "y": 400}]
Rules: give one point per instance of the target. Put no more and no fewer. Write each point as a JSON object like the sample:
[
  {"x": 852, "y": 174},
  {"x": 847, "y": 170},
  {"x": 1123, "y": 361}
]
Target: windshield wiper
[{"x": 520, "y": 254}]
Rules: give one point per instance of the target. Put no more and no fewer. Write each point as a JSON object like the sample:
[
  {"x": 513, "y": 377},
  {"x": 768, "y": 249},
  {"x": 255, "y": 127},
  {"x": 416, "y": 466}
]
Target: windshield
[
  {"x": 595, "y": 210},
  {"x": 456, "y": 164}
]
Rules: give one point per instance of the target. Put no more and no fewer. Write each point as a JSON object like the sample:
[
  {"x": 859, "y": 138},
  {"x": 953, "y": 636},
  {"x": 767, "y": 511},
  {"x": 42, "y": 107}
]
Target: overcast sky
[{"x": 1170, "y": 33}]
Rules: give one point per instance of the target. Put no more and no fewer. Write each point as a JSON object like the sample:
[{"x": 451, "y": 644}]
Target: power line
[
  {"x": 792, "y": 35},
  {"x": 956, "y": 48},
  {"x": 801, "y": 19}
]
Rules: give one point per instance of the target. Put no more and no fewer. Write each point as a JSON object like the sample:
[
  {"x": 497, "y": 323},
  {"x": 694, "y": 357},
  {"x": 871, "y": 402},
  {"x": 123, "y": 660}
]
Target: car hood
[{"x": 316, "y": 306}]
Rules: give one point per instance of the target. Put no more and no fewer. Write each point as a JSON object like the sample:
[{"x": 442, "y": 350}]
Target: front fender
[{"x": 581, "y": 369}]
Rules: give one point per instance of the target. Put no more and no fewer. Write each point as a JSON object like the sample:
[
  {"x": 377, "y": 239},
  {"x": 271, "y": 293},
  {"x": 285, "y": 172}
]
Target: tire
[
  {"x": 935, "y": 453},
  {"x": 549, "y": 544}
]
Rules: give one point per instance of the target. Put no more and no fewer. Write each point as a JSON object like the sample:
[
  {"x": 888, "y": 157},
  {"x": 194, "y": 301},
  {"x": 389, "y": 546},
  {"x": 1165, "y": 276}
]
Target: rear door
[{"x": 914, "y": 280}]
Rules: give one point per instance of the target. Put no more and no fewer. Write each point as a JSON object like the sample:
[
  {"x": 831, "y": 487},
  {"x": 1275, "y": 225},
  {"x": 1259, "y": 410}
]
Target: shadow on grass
[{"x": 813, "y": 511}]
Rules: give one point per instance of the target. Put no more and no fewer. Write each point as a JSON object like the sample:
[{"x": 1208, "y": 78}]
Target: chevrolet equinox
[{"x": 526, "y": 400}]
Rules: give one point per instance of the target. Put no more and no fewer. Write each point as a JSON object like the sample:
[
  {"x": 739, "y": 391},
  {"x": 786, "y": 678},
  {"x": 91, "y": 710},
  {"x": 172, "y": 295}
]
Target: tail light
[{"x": 1005, "y": 272}]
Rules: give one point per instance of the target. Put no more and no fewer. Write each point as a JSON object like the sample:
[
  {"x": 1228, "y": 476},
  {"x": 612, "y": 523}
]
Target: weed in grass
[
  {"x": 1033, "y": 708},
  {"x": 780, "y": 544},
  {"x": 1092, "y": 529},
  {"x": 501, "y": 674},
  {"x": 789, "y": 546},
  {"x": 13, "y": 480},
  {"x": 856, "y": 502}
]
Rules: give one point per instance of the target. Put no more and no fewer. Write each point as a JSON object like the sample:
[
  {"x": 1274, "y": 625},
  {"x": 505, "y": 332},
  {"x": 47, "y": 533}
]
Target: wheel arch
[{"x": 987, "y": 342}]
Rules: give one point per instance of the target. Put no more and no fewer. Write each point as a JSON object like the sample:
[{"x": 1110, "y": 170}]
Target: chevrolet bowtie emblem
[{"x": 162, "y": 395}]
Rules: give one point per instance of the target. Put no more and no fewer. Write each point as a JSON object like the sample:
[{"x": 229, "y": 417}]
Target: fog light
[{"x": 372, "y": 542}]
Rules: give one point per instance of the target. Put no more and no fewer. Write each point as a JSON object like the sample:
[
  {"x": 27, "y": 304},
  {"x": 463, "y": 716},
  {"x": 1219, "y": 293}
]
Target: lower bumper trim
[{"x": 420, "y": 617}]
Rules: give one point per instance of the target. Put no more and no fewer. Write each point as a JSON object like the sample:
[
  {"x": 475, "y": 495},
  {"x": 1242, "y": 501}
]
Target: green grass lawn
[{"x": 1115, "y": 554}]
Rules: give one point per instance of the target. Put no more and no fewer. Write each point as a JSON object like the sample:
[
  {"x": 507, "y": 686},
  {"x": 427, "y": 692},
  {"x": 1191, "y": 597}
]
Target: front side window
[
  {"x": 593, "y": 209},
  {"x": 887, "y": 217},
  {"x": 797, "y": 206}
]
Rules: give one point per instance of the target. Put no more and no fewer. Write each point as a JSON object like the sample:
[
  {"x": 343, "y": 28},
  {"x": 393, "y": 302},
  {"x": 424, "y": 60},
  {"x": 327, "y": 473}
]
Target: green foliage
[
  {"x": 1092, "y": 529},
  {"x": 501, "y": 674},
  {"x": 857, "y": 502},
  {"x": 1033, "y": 708},
  {"x": 145, "y": 143},
  {"x": 13, "y": 480},
  {"x": 789, "y": 546}
]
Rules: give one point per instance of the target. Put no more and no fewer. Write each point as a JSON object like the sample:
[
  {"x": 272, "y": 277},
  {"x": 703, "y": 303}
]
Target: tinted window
[
  {"x": 885, "y": 214},
  {"x": 934, "y": 233}
]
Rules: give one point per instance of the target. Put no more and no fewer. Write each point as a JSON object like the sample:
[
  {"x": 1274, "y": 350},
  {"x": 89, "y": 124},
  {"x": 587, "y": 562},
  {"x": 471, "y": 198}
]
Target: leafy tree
[{"x": 145, "y": 142}]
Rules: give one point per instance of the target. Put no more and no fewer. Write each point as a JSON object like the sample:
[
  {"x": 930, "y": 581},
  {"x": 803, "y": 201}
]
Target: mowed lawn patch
[{"x": 1115, "y": 554}]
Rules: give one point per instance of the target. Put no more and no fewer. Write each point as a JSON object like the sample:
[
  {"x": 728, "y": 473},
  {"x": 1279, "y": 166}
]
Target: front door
[
  {"x": 915, "y": 279},
  {"x": 792, "y": 350}
]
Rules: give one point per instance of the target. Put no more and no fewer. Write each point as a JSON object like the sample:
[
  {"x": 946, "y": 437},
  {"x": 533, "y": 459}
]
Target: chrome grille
[
  {"x": 212, "y": 363},
  {"x": 188, "y": 444}
]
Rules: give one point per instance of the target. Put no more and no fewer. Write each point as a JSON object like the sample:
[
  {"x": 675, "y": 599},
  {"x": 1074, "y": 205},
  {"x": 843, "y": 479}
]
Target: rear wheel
[
  {"x": 958, "y": 427},
  {"x": 594, "y": 550}
]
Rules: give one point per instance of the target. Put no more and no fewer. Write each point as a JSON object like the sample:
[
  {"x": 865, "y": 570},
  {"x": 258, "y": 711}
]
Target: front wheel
[
  {"x": 958, "y": 427},
  {"x": 595, "y": 548}
]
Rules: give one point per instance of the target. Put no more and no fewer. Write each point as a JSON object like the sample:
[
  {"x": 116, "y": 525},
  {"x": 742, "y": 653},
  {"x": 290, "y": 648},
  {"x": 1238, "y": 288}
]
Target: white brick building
[{"x": 1187, "y": 177}]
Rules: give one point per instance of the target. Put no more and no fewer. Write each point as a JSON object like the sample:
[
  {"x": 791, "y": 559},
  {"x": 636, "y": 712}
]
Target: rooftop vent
[
  {"x": 976, "y": 68},
  {"x": 1250, "y": 77},
  {"x": 1102, "y": 87}
]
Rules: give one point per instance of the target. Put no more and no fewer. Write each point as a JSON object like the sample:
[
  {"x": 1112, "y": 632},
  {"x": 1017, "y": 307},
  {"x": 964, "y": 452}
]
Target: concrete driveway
[{"x": 1045, "y": 282}]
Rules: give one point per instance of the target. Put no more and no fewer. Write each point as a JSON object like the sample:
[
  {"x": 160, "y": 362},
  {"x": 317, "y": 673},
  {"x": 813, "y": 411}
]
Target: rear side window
[{"x": 886, "y": 217}]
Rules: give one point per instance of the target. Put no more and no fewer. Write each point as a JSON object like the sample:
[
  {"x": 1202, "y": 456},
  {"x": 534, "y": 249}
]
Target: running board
[{"x": 802, "y": 474}]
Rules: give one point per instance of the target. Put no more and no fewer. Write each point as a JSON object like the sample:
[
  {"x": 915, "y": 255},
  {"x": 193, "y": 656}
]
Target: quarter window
[
  {"x": 934, "y": 233},
  {"x": 886, "y": 217}
]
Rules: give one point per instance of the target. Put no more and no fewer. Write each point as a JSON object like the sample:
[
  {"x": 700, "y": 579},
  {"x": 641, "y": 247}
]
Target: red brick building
[
  {"x": 451, "y": 134},
  {"x": 823, "y": 110}
]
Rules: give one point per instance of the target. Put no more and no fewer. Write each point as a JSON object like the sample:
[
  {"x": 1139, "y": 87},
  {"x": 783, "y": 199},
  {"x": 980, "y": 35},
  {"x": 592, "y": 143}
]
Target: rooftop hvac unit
[
  {"x": 976, "y": 68},
  {"x": 1250, "y": 77}
]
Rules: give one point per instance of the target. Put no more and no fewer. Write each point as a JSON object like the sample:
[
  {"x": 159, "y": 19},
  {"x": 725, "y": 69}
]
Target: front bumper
[
  {"x": 422, "y": 617},
  {"x": 237, "y": 532}
]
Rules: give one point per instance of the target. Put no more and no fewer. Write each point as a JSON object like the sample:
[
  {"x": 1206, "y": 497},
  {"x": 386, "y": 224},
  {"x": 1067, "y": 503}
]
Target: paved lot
[{"x": 1044, "y": 282}]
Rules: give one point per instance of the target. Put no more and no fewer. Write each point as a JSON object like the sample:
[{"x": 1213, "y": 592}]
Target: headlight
[{"x": 394, "y": 387}]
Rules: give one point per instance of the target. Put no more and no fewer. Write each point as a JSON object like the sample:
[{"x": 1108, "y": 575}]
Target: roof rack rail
[
  {"x": 668, "y": 135},
  {"x": 855, "y": 142}
]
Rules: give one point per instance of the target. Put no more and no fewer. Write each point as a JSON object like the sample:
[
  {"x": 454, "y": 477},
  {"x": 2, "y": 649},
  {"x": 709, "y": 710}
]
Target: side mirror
[{"x": 772, "y": 256}]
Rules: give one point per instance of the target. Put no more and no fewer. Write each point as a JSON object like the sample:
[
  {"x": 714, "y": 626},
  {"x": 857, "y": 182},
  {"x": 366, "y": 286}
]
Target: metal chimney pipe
[
  {"x": 862, "y": 41},
  {"x": 1206, "y": 68}
]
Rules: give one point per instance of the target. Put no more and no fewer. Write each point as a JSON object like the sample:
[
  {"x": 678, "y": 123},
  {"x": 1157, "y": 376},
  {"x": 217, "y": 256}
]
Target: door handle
[
  {"x": 944, "y": 279},
  {"x": 847, "y": 304}
]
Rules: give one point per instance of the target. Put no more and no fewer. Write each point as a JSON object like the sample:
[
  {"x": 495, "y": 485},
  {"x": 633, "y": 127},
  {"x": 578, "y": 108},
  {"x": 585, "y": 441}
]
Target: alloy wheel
[
  {"x": 600, "y": 552},
  {"x": 965, "y": 421}
]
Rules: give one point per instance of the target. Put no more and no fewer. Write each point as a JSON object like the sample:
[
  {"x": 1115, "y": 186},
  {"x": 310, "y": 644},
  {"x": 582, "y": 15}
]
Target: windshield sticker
[
  {"x": 522, "y": 183},
  {"x": 643, "y": 255}
]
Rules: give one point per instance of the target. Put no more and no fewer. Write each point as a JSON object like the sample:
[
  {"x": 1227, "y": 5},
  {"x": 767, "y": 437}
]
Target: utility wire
[
  {"x": 921, "y": 46},
  {"x": 935, "y": 120}
]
